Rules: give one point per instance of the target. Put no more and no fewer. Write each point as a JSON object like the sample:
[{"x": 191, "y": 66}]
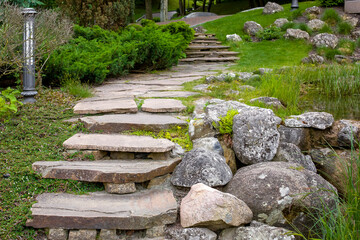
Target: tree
[
  {"x": 148, "y": 7},
  {"x": 164, "y": 10}
]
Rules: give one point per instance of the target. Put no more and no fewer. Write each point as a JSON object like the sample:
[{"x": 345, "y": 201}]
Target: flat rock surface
[
  {"x": 162, "y": 105},
  {"x": 101, "y": 210},
  {"x": 168, "y": 94},
  {"x": 123, "y": 122},
  {"x": 166, "y": 82},
  {"x": 110, "y": 106},
  {"x": 108, "y": 171},
  {"x": 117, "y": 142}
]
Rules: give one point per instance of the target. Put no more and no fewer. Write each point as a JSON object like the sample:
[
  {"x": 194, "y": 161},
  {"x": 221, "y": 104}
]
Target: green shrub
[
  {"x": 8, "y": 103},
  {"x": 330, "y": 3},
  {"x": 287, "y": 26},
  {"x": 269, "y": 33},
  {"x": 156, "y": 19},
  {"x": 326, "y": 29},
  {"x": 180, "y": 28},
  {"x": 226, "y": 122},
  {"x": 344, "y": 28},
  {"x": 331, "y": 17},
  {"x": 328, "y": 53},
  {"x": 295, "y": 14},
  {"x": 146, "y": 22},
  {"x": 301, "y": 26}
]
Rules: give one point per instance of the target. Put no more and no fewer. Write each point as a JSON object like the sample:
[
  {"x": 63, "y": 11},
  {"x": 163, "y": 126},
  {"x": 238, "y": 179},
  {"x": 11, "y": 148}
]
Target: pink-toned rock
[{"x": 208, "y": 207}]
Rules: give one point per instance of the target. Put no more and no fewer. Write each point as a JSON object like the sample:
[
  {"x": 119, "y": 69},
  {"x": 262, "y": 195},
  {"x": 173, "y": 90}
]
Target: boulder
[
  {"x": 353, "y": 21},
  {"x": 221, "y": 78},
  {"x": 316, "y": 24},
  {"x": 256, "y": 231},
  {"x": 318, "y": 120},
  {"x": 229, "y": 155},
  {"x": 263, "y": 71},
  {"x": 288, "y": 152},
  {"x": 296, "y": 34},
  {"x": 298, "y": 136},
  {"x": 271, "y": 8},
  {"x": 210, "y": 208},
  {"x": 343, "y": 133},
  {"x": 177, "y": 151},
  {"x": 313, "y": 10},
  {"x": 199, "y": 129},
  {"x": 280, "y": 22},
  {"x": 201, "y": 166},
  {"x": 268, "y": 101},
  {"x": 251, "y": 28},
  {"x": 233, "y": 38},
  {"x": 255, "y": 135},
  {"x": 244, "y": 75},
  {"x": 201, "y": 87},
  {"x": 356, "y": 33},
  {"x": 209, "y": 143},
  {"x": 325, "y": 40},
  {"x": 314, "y": 59},
  {"x": 179, "y": 233},
  {"x": 333, "y": 165},
  {"x": 281, "y": 193}
]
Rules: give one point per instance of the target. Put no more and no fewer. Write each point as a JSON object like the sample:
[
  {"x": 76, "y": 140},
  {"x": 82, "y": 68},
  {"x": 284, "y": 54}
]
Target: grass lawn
[{"x": 271, "y": 54}]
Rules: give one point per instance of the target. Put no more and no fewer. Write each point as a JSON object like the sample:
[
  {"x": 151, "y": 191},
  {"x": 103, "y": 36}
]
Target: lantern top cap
[{"x": 28, "y": 11}]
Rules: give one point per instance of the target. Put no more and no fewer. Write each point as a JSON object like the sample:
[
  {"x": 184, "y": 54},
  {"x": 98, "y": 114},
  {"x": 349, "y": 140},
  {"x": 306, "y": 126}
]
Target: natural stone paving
[
  {"x": 166, "y": 82},
  {"x": 110, "y": 106},
  {"x": 123, "y": 122},
  {"x": 117, "y": 142},
  {"x": 162, "y": 105},
  {"x": 167, "y": 94},
  {"x": 107, "y": 171},
  {"x": 101, "y": 210}
]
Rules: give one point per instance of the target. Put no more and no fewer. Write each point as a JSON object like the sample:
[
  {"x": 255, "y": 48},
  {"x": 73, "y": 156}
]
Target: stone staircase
[{"x": 206, "y": 48}]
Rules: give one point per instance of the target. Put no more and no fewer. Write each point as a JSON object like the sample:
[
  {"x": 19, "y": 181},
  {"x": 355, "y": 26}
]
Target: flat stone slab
[
  {"x": 106, "y": 171},
  {"x": 162, "y": 105},
  {"x": 168, "y": 94},
  {"x": 124, "y": 122},
  {"x": 110, "y": 106},
  {"x": 118, "y": 143},
  {"x": 205, "y": 47},
  {"x": 210, "y": 59},
  {"x": 166, "y": 82},
  {"x": 100, "y": 210}
]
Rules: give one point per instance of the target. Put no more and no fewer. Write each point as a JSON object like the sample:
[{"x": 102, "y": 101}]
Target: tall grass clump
[
  {"x": 331, "y": 17},
  {"x": 76, "y": 88},
  {"x": 344, "y": 28}
]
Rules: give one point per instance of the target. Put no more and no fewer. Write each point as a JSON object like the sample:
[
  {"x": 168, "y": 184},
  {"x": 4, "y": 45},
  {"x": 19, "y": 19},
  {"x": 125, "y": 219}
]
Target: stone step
[
  {"x": 207, "y": 48},
  {"x": 106, "y": 171},
  {"x": 204, "y": 34},
  {"x": 211, "y": 54},
  {"x": 167, "y": 94},
  {"x": 204, "y": 42},
  {"x": 100, "y": 210},
  {"x": 209, "y": 59},
  {"x": 108, "y": 106},
  {"x": 205, "y": 38},
  {"x": 162, "y": 105},
  {"x": 118, "y": 143},
  {"x": 118, "y": 123}
]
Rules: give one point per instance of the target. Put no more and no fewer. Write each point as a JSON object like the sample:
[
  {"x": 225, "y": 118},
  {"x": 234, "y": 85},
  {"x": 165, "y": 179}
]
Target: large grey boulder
[
  {"x": 298, "y": 136},
  {"x": 233, "y": 38},
  {"x": 344, "y": 133},
  {"x": 313, "y": 10},
  {"x": 251, "y": 28},
  {"x": 271, "y": 8},
  {"x": 296, "y": 34},
  {"x": 318, "y": 120},
  {"x": 314, "y": 59},
  {"x": 325, "y": 40},
  {"x": 209, "y": 143},
  {"x": 256, "y": 231},
  {"x": 180, "y": 233},
  {"x": 316, "y": 24},
  {"x": 269, "y": 101},
  {"x": 200, "y": 129},
  {"x": 208, "y": 207},
  {"x": 201, "y": 166},
  {"x": 280, "y": 22},
  {"x": 288, "y": 152},
  {"x": 255, "y": 135},
  {"x": 278, "y": 192}
]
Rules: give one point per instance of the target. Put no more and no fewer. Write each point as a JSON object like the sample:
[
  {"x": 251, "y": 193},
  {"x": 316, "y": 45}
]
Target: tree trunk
[
  {"x": 204, "y": 3},
  {"x": 181, "y": 9},
  {"x": 184, "y": 7},
  {"x": 210, "y": 4},
  {"x": 195, "y": 4},
  {"x": 164, "y": 11},
  {"x": 148, "y": 8}
]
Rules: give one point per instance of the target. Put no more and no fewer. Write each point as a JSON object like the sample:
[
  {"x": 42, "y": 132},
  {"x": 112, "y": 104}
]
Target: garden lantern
[
  {"x": 294, "y": 5},
  {"x": 29, "y": 90}
]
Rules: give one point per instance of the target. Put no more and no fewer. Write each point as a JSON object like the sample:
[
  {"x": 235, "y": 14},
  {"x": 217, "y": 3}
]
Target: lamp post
[
  {"x": 294, "y": 5},
  {"x": 29, "y": 90}
]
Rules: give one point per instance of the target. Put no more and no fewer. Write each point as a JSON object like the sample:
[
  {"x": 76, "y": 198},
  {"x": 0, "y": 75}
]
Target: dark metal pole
[
  {"x": 29, "y": 90},
  {"x": 294, "y": 5}
]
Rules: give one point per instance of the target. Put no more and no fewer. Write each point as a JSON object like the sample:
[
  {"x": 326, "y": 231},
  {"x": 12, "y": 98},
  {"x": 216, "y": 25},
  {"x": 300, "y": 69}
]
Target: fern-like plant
[{"x": 226, "y": 122}]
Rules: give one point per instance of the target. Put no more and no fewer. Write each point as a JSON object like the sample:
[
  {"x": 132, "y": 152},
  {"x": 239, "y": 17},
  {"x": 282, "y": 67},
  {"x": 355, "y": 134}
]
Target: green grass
[
  {"x": 76, "y": 88},
  {"x": 36, "y": 133}
]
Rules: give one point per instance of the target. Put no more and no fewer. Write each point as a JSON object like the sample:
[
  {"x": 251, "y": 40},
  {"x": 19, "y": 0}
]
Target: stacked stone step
[
  {"x": 122, "y": 163},
  {"x": 206, "y": 48}
]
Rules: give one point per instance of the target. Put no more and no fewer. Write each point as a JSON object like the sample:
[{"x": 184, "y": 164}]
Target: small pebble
[{"x": 6, "y": 175}]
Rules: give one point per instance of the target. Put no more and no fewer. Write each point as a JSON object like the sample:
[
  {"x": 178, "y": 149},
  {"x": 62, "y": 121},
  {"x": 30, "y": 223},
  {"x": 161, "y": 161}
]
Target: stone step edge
[
  {"x": 106, "y": 171},
  {"x": 224, "y": 59}
]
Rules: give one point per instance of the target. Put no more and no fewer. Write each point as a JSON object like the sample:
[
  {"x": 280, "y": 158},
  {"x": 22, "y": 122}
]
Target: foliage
[
  {"x": 330, "y": 3},
  {"x": 8, "y": 103},
  {"x": 344, "y": 28},
  {"x": 331, "y": 17},
  {"x": 52, "y": 30},
  {"x": 108, "y": 14},
  {"x": 270, "y": 33},
  {"x": 295, "y": 14},
  {"x": 301, "y": 26},
  {"x": 95, "y": 53},
  {"x": 346, "y": 46},
  {"x": 25, "y": 3},
  {"x": 326, "y": 29},
  {"x": 35, "y": 133},
  {"x": 226, "y": 122},
  {"x": 76, "y": 88},
  {"x": 179, "y": 28},
  {"x": 329, "y": 53}
]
